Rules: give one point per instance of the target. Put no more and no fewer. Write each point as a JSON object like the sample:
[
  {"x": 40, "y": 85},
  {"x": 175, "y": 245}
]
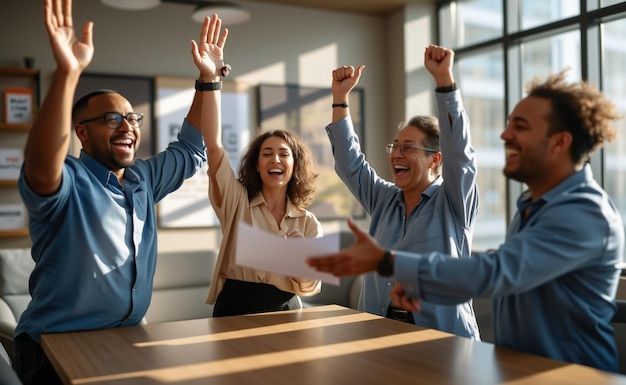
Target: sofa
[{"x": 181, "y": 284}]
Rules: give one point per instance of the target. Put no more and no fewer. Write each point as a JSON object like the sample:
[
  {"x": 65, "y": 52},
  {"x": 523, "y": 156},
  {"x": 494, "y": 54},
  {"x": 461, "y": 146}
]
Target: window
[{"x": 500, "y": 46}]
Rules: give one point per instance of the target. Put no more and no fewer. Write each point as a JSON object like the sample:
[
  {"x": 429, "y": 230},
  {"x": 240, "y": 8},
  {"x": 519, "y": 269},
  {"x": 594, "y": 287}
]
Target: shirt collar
[
  {"x": 580, "y": 177},
  {"x": 427, "y": 193},
  {"x": 103, "y": 174},
  {"x": 292, "y": 210}
]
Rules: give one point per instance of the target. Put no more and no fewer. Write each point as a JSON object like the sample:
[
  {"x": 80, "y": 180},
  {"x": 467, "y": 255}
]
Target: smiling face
[
  {"x": 413, "y": 170},
  {"x": 526, "y": 141},
  {"x": 115, "y": 148},
  {"x": 275, "y": 164}
]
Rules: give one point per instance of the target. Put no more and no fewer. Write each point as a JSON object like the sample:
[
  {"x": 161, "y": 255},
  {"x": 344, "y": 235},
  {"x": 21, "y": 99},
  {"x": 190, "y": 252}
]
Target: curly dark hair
[
  {"x": 580, "y": 109},
  {"x": 301, "y": 187}
]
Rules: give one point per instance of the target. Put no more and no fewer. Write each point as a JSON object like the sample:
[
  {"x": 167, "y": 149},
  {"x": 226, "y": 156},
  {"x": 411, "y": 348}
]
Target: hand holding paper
[{"x": 265, "y": 251}]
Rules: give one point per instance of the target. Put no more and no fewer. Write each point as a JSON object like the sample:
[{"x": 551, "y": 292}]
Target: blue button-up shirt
[
  {"x": 553, "y": 281},
  {"x": 95, "y": 242},
  {"x": 442, "y": 221}
]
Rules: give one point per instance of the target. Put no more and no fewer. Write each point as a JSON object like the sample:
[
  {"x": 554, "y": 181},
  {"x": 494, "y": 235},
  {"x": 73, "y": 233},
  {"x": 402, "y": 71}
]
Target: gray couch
[{"x": 181, "y": 283}]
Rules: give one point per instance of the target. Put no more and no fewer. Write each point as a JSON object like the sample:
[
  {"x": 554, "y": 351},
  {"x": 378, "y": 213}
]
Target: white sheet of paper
[{"x": 269, "y": 252}]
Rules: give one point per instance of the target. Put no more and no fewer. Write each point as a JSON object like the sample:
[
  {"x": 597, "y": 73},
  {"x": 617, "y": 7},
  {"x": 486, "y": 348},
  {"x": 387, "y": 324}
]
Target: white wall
[{"x": 278, "y": 45}]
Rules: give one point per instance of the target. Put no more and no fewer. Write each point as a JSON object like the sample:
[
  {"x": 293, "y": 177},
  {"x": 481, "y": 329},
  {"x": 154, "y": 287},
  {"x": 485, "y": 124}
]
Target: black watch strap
[
  {"x": 210, "y": 86},
  {"x": 385, "y": 266},
  {"x": 451, "y": 88}
]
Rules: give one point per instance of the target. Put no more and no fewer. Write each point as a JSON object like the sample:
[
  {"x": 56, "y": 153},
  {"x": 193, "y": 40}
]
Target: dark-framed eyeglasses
[
  {"x": 405, "y": 148},
  {"x": 114, "y": 120}
]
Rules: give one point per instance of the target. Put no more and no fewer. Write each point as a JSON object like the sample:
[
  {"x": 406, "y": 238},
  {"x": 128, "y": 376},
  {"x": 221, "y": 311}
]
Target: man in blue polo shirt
[
  {"x": 92, "y": 218},
  {"x": 433, "y": 201}
]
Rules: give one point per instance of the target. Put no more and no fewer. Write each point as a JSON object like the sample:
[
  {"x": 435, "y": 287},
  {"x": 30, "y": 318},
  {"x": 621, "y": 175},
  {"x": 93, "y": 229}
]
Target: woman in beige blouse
[{"x": 275, "y": 185}]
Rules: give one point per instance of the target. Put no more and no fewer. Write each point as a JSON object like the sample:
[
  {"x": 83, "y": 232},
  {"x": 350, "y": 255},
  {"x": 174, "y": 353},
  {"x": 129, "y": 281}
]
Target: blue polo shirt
[
  {"x": 553, "y": 281},
  {"x": 95, "y": 242},
  {"x": 444, "y": 220}
]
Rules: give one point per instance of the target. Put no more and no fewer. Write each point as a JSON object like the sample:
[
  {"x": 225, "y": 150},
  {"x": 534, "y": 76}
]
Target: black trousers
[
  {"x": 31, "y": 364},
  {"x": 242, "y": 297},
  {"x": 400, "y": 314}
]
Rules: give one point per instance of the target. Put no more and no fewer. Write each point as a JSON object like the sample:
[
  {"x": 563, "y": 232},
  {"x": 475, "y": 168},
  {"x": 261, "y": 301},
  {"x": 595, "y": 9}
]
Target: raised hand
[
  {"x": 70, "y": 54},
  {"x": 208, "y": 53},
  {"x": 345, "y": 79},
  {"x": 438, "y": 61}
]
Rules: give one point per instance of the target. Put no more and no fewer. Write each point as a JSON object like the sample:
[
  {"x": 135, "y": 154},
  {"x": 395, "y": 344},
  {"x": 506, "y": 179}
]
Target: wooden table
[{"x": 322, "y": 345}]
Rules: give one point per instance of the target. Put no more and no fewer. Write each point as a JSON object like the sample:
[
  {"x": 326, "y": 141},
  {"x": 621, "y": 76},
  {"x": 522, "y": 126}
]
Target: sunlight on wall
[
  {"x": 272, "y": 74},
  {"x": 416, "y": 32},
  {"x": 315, "y": 67}
]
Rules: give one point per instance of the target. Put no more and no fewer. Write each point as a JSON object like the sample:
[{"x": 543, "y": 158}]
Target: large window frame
[{"x": 589, "y": 26}]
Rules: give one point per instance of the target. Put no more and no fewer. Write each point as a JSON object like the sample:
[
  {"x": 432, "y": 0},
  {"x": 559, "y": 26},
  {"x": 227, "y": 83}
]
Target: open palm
[{"x": 208, "y": 53}]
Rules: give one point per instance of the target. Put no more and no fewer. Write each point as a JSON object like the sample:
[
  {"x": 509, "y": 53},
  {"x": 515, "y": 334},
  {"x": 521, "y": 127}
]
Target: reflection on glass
[
  {"x": 470, "y": 22},
  {"x": 549, "y": 55},
  {"x": 595, "y": 4},
  {"x": 482, "y": 83},
  {"x": 539, "y": 12},
  {"x": 614, "y": 86}
]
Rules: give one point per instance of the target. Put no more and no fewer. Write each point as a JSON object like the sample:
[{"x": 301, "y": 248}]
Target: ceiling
[{"x": 372, "y": 7}]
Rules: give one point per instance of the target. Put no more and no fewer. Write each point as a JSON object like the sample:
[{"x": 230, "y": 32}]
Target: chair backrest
[
  {"x": 15, "y": 268},
  {"x": 181, "y": 284}
]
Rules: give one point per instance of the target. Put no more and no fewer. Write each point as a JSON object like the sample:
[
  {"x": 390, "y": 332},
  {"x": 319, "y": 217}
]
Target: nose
[
  {"x": 126, "y": 126},
  {"x": 506, "y": 134}
]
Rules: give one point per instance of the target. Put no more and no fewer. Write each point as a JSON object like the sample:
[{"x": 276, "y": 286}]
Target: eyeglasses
[
  {"x": 114, "y": 120},
  {"x": 405, "y": 148}
]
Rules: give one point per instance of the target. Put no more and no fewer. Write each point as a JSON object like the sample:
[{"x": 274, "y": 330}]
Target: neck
[{"x": 275, "y": 200}]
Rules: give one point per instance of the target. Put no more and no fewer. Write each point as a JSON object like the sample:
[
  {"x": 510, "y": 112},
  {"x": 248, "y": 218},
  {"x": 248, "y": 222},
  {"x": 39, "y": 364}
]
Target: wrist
[
  {"x": 385, "y": 264},
  {"x": 446, "y": 88},
  {"x": 208, "y": 86},
  {"x": 209, "y": 78}
]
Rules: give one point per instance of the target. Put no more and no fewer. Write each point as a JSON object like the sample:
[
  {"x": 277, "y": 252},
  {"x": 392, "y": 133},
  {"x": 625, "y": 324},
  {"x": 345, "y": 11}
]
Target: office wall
[{"x": 278, "y": 45}]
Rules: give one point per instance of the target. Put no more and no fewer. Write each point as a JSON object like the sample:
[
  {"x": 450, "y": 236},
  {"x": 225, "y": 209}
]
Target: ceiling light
[
  {"x": 230, "y": 13},
  {"x": 132, "y": 4}
]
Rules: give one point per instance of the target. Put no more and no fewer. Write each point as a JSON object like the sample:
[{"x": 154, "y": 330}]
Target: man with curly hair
[{"x": 553, "y": 281}]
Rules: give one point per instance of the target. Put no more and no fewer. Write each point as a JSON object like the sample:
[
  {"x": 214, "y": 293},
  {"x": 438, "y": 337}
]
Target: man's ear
[
  {"x": 81, "y": 132},
  {"x": 562, "y": 141},
  {"x": 436, "y": 159}
]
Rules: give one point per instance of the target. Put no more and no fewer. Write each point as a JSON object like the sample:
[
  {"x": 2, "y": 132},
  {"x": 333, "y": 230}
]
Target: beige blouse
[{"x": 236, "y": 207}]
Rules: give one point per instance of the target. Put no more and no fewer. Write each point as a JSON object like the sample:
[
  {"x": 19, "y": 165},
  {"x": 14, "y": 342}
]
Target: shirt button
[
  {"x": 388, "y": 283},
  {"x": 382, "y": 309}
]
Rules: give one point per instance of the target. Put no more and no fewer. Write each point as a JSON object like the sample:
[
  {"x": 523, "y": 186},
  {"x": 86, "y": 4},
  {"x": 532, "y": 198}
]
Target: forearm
[
  {"x": 340, "y": 107},
  {"x": 212, "y": 124},
  {"x": 49, "y": 138}
]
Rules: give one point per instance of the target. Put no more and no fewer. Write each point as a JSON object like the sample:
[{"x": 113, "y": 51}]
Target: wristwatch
[{"x": 385, "y": 266}]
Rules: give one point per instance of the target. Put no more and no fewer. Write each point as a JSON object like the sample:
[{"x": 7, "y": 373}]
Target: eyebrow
[
  {"x": 286, "y": 148},
  {"x": 518, "y": 119}
]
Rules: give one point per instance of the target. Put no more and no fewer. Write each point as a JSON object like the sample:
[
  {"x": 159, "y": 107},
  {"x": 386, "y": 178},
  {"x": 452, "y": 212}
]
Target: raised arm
[
  {"x": 344, "y": 80},
  {"x": 438, "y": 61},
  {"x": 209, "y": 58},
  {"x": 49, "y": 137}
]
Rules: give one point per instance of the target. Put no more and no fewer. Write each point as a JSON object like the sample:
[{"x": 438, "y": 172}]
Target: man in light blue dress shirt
[
  {"x": 554, "y": 280},
  {"x": 92, "y": 218},
  {"x": 433, "y": 202}
]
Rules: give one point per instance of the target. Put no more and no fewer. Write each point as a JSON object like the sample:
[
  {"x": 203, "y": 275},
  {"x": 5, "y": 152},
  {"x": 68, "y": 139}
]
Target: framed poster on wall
[
  {"x": 18, "y": 105},
  {"x": 189, "y": 206},
  {"x": 307, "y": 111}
]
